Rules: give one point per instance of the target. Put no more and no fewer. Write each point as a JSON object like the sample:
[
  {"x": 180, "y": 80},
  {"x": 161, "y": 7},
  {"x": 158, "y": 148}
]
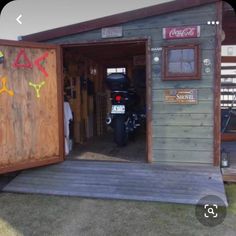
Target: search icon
[{"x": 210, "y": 211}]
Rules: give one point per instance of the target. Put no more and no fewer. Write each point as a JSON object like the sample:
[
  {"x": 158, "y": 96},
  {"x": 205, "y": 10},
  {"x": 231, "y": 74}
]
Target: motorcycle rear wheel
[{"x": 120, "y": 134}]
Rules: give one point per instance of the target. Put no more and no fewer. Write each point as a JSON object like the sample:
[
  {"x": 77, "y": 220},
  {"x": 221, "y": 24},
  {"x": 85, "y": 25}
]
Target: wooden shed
[{"x": 175, "y": 47}]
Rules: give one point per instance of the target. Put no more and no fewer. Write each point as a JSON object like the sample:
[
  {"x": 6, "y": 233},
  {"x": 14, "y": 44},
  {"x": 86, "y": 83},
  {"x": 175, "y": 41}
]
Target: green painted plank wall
[{"x": 181, "y": 133}]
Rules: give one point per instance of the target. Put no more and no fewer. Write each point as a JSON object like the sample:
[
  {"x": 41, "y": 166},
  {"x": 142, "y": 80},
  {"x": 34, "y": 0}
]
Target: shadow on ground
[{"x": 104, "y": 148}]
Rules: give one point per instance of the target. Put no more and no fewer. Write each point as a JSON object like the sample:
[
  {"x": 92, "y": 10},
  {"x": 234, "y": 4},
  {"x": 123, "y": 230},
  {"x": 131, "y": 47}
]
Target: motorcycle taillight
[{"x": 118, "y": 98}]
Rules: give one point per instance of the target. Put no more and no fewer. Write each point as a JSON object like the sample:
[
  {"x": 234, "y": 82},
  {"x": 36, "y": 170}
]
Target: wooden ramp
[{"x": 130, "y": 181}]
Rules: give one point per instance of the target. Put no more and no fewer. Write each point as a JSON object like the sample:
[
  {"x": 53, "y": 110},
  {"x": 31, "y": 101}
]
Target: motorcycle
[{"x": 124, "y": 117}]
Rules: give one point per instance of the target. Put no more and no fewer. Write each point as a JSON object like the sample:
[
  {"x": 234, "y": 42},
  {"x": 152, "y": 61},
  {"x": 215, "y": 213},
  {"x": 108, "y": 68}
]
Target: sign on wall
[
  {"x": 112, "y": 32},
  {"x": 181, "y": 32},
  {"x": 181, "y": 96}
]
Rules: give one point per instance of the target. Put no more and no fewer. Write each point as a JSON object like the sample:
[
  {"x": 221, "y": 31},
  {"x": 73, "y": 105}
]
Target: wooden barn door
[{"x": 31, "y": 122}]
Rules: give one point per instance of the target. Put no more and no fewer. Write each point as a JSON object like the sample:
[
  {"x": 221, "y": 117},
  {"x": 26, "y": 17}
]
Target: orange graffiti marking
[{"x": 4, "y": 87}]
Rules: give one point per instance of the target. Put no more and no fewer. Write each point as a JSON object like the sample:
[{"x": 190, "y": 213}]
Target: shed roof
[{"x": 116, "y": 19}]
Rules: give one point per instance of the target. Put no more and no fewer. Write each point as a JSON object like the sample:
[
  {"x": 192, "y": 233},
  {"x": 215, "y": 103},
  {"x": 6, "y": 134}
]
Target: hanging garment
[{"x": 67, "y": 117}]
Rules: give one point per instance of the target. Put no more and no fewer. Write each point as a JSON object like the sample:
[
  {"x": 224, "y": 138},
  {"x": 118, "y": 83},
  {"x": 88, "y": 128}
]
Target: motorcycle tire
[
  {"x": 132, "y": 136},
  {"x": 120, "y": 134}
]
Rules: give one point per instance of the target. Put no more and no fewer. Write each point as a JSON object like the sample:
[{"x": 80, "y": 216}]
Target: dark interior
[{"x": 85, "y": 70}]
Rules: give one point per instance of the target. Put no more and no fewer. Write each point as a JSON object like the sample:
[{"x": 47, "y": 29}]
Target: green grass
[
  {"x": 231, "y": 196},
  {"x": 25, "y": 214}
]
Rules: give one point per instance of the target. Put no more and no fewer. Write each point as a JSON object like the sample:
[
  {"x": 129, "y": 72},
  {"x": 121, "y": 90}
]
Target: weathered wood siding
[
  {"x": 28, "y": 124},
  {"x": 182, "y": 133}
]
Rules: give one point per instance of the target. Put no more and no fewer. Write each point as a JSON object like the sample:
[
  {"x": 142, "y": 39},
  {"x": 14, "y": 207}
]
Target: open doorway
[{"x": 86, "y": 67}]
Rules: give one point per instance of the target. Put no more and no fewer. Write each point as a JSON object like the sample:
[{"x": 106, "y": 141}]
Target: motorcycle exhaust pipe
[{"x": 108, "y": 120}]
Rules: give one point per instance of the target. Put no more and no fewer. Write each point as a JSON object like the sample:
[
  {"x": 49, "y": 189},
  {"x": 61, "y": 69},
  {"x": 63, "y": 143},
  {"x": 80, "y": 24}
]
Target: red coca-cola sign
[{"x": 181, "y": 32}]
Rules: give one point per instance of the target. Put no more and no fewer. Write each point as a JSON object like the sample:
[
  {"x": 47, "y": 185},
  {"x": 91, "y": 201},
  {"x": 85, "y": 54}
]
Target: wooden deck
[{"x": 130, "y": 181}]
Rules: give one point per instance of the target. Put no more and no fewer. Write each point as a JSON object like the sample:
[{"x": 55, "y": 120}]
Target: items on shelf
[{"x": 83, "y": 83}]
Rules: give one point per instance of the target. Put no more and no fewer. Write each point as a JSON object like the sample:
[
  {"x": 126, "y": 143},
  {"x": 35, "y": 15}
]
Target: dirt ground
[
  {"x": 28, "y": 215},
  {"x": 104, "y": 148}
]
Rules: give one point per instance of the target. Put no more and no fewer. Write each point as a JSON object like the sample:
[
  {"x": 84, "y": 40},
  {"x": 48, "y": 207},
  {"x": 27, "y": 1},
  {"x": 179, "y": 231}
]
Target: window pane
[
  {"x": 175, "y": 55},
  {"x": 115, "y": 70},
  {"x": 174, "y": 67},
  {"x": 188, "y": 54},
  {"x": 187, "y": 67},
  {"x": 181, "y": 61}
]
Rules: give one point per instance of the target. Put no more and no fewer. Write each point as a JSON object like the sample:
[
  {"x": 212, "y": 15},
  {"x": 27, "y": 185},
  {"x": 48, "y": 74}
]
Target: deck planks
[{"x": 127, "y": 181}]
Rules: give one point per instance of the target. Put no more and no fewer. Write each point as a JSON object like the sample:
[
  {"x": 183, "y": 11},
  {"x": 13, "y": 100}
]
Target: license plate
[{"x": 118, "y": 109}]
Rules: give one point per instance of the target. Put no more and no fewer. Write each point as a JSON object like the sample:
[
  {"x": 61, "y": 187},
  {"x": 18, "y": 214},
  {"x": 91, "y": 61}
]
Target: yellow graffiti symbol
[
  {"x": 4, "y": 87},
  {"x": 37, "y": 87}
]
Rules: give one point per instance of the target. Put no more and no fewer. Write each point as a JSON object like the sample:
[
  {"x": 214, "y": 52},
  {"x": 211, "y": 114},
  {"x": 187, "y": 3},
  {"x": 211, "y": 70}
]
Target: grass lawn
[{"x": 24, "y": 214}]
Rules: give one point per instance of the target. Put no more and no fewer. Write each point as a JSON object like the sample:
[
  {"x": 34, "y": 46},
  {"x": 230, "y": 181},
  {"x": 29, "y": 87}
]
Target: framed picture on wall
[{"x": 181, "y": 62}]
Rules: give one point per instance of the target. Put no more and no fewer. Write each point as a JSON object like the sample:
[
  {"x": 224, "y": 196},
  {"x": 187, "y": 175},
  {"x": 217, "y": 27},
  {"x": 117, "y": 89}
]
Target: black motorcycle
[{"x": 125, "y": 116}]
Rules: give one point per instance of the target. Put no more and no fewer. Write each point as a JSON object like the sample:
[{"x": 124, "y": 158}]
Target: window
[
  {"x": 115, "y": 70},
  {"x": 181, "y": 62}
]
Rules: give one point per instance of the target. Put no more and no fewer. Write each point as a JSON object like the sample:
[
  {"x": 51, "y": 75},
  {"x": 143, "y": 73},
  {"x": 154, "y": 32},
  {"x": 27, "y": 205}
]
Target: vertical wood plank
[
  {"x": 217, "y": 82},
  {"x": 149, "y": 102},
  {"x": 60, "y": 99}
]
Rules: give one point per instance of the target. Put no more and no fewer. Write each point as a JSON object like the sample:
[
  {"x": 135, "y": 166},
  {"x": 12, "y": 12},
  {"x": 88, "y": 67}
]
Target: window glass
[
  {"x": 181, "y": 62},
  {"x": 116, "y": 70}
]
